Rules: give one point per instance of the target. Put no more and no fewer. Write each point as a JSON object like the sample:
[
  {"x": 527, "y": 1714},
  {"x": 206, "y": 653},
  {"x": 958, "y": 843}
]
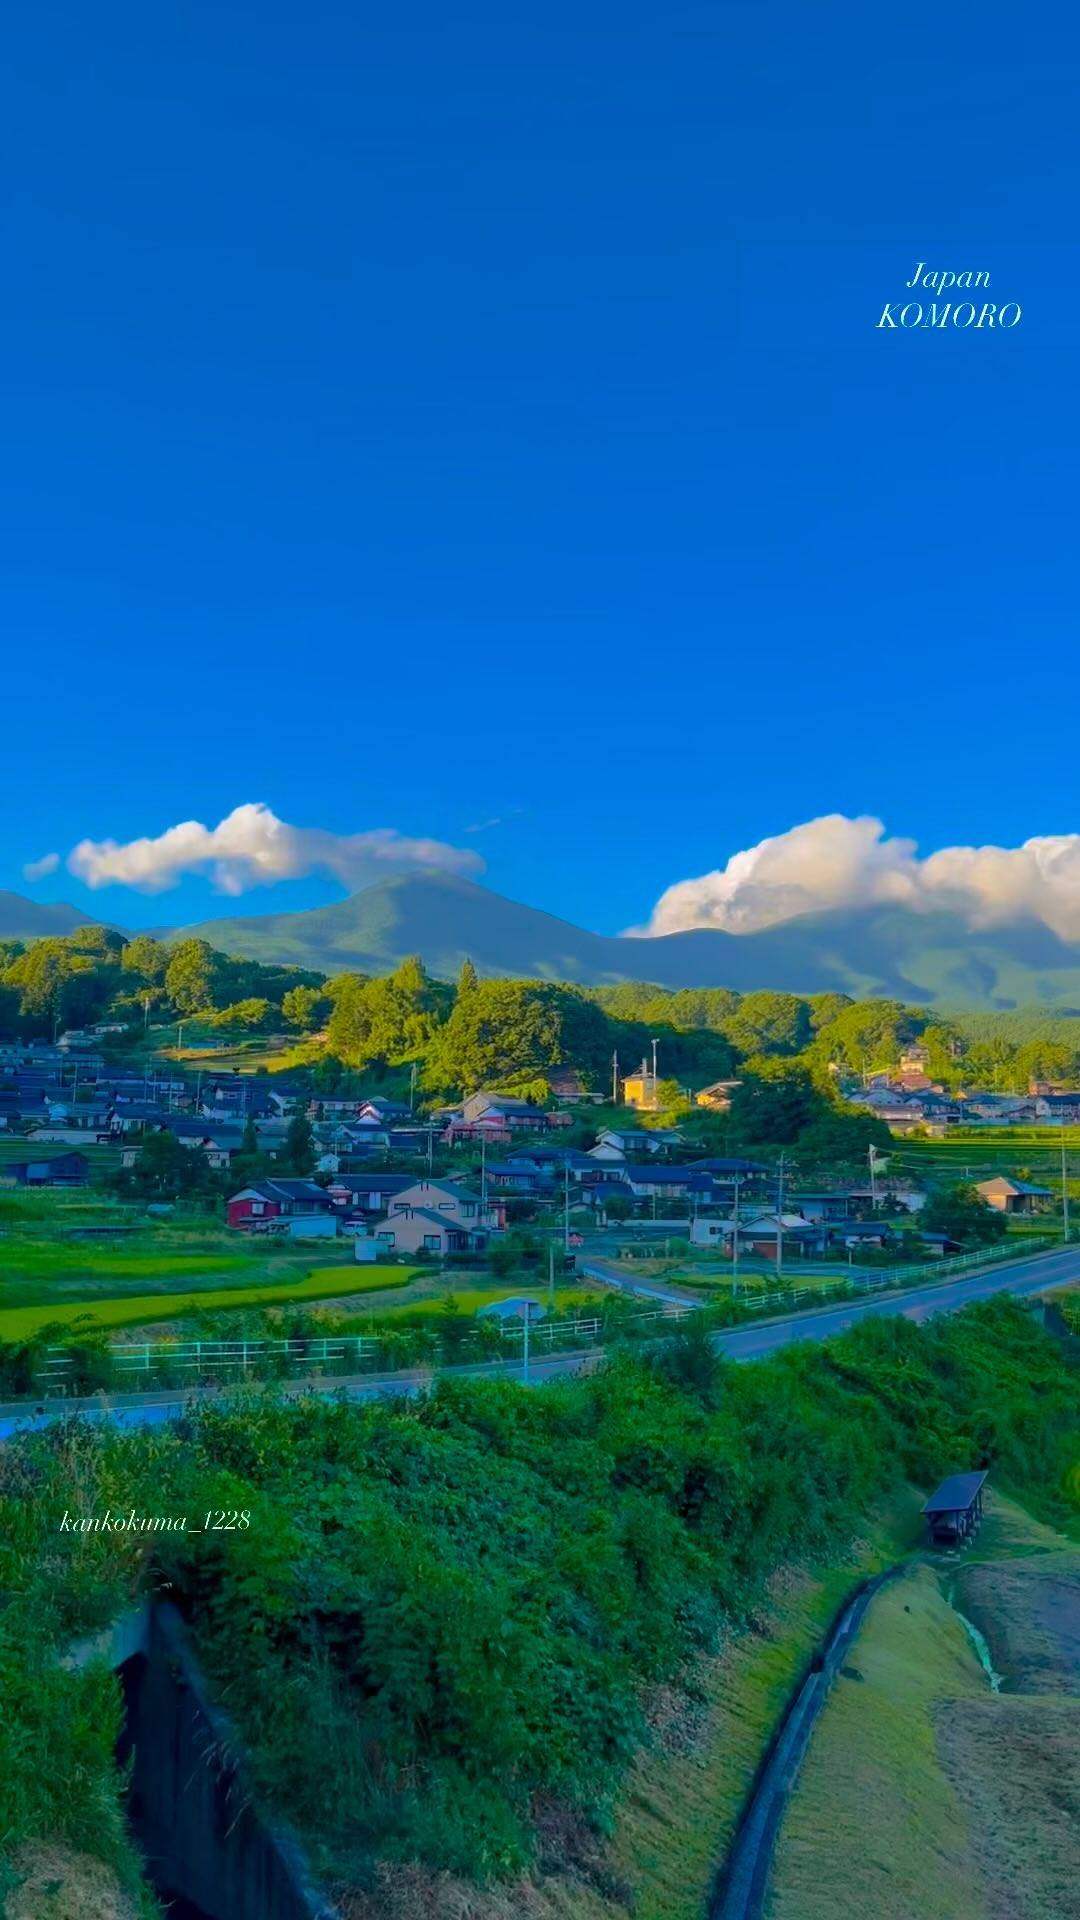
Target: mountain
[
  {"x": 928, "y": 958},
  {"x": 28, "y": 920}
]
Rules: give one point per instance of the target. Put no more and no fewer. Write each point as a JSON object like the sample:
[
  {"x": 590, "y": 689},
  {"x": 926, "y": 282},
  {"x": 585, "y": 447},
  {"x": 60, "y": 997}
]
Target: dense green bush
[{"x": 450, "y": 1608}]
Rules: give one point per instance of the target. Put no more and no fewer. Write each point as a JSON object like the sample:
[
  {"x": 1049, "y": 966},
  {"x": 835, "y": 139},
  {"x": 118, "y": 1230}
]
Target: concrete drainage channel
[
  {"x": 743, "y": 1881},
  {"x": 207, "y": 1853}
]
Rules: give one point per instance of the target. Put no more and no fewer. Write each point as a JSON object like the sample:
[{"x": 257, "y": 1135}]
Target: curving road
[{"x": 1021, "y": 1277}]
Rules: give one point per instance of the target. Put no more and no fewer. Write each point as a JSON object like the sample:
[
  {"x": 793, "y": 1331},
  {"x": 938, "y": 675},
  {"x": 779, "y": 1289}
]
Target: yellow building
[{"x": 639, "y": 1090}]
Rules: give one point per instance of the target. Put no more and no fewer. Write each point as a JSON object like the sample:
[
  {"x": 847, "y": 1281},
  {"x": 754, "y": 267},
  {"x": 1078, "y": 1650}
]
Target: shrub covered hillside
[{"x": 441, "y": 1621}]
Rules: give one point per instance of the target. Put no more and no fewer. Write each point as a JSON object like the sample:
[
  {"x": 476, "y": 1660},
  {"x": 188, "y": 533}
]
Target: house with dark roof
[
  {"x": 663, "y": 1181},
  {"x": 368, "y": 1191},
  {"x": 56, "y": 1170}
]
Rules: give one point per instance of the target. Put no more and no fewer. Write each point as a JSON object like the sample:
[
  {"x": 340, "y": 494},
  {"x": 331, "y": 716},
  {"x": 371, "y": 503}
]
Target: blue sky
[{"x": 483, "y": 418}]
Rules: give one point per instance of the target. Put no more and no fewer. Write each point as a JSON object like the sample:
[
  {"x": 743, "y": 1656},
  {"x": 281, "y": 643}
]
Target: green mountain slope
[
  {"x": 930, "y": 958},
  {"x": 28, "y": 920}
]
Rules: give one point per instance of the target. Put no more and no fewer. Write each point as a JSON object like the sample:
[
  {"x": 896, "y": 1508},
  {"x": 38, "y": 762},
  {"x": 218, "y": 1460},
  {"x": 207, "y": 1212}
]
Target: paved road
[
  {"x": 1021, "y": 1277},
  {"x": 611, "y": 1274}
]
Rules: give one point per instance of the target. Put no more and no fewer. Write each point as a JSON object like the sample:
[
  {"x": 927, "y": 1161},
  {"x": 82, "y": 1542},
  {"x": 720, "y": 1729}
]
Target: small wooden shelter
[{"x": 953, "y": 1512}]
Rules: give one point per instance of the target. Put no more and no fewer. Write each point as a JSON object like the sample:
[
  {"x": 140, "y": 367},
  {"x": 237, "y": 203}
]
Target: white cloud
[
  {"x": 251, "y": 847},
  {"x": 37, "y": 869},
  {"x": 838, "y": 862}
]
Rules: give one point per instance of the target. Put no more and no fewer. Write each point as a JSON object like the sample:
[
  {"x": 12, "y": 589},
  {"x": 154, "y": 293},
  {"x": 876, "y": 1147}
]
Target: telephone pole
[
  {"x": 873, "y": 1179},
  {"x": 615, "y": 1079},
  {"x": 735, "y": 1241},
  {"x": 1064, "y": 1185},
  {"x": 780, "y": 1218}
]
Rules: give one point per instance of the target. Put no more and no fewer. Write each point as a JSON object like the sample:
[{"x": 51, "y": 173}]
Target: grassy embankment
[{"x": 923, "y": 1791}]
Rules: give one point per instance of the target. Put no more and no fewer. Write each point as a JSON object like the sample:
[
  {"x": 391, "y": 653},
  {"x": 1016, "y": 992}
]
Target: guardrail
[
  {"x": 883, "y": 1279},
  {"x": 132, "y": 1358}
]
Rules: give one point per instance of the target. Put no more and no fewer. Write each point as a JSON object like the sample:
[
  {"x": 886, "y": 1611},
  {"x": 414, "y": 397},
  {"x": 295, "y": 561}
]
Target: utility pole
[
  {"x": 412, "y": 1089},
  {"x": 551, "y": 1273},
  {"x": 735, "y": 1241},
  {"x": 483, "y": 1178},
  {"x": 1064, "y": 1185},
  {"x": 873, "y": 1179},
  {"x": 655, "y": 1044},
  {"x": 525, "y": 1347},
  {"x": 566, "y": 1207},
  {"x": 615, "y": 1079},
  {"x": 780, "y": 1218}
]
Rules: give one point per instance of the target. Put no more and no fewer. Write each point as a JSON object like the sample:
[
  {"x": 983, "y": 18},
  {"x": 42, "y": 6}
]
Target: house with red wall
[{"x": 266, "y": 1200}]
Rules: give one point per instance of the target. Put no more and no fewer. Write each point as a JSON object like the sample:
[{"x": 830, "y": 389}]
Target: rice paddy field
[{"x": 82, "y": 1259}]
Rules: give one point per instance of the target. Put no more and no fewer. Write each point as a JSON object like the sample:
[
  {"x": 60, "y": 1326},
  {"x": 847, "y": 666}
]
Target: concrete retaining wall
[{"x": 190, "y": 1807}]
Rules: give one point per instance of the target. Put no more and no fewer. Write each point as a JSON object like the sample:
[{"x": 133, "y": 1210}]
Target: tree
[
  {"x": 962, "y": 1214},
  {"x": 298, "y": 1154},
  {"x": 146, "y": 957},
  {"x": 389, "y": 1019},
  {"x": 775, "y": 1101},
  {"x": 769, "y": 1023},
  {"x": 305, "y": 1008},
  {"x": 468, "y": 978},
  {"x": 250, "y": 1016},
  {"x": 166, "y": 1169},
  {"x": 618, "y": 1206},
  {"x": 868, "y": 1034},
  {"x": 192, "y": 976},
  {"x": 102, "y": 943},
  {"x": 507, "y": 1031}
]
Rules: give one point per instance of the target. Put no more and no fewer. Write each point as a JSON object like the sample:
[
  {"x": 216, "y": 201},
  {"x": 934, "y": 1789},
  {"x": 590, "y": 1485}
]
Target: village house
[
  {"x": 264, "y": 1201},
  {"x": 1012, "y": 1196},
  {"x": 717, "y": 1097},
  {"x": 439, "y": 1217},
  {"x": 749, "y": 1178},
  {"x": 504, "y": 1111},
  {"x": 569, "y": 1089},
  {"x": 757, "y": 1234},
  {"x": 384, "y": 1113},
  {"x": 664, "y": 1182},
  {"x": 616, "y": 1143},
  {"x": 368, "y": 1192},
  {"x": 639, "y": 1089},
  {"x": 59, "y": 1170},
  {"x": 1057, "y": 1109},
  {"x": 838, "y": 1205},
  {"x": 217, "y": 1143},
  {"x": 465, "y": 1133}
]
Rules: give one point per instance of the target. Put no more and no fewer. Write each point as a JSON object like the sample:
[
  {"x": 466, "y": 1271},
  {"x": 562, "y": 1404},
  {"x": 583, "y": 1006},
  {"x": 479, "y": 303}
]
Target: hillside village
[{"x": 791, "y": 1151}]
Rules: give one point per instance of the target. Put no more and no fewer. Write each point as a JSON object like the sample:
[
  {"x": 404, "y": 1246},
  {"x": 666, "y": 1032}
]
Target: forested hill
[{"x": 931, "y": 959}]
